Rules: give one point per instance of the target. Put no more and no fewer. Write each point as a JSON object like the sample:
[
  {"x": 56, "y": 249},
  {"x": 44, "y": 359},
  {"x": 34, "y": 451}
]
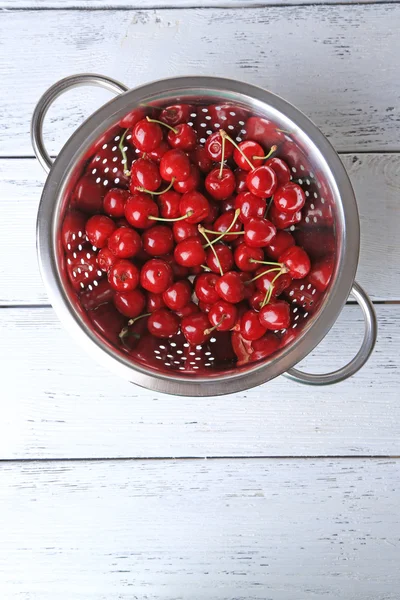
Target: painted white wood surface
[
  {"x": 58, "y": 403},
  {"x": 336, "y": 63},
  {"x": 152, "y": 4},
  {"x": 376, "y": 179},
  {"x": 165, "y": 530}
]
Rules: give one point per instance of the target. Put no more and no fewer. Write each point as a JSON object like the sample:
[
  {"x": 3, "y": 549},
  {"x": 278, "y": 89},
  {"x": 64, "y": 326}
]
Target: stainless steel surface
[
  {"x": 318, "y": 157},
  {"x": 368, "y": 343}
]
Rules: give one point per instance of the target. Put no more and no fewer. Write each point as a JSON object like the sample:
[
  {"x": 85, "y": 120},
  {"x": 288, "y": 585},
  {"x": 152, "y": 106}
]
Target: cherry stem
[
  {"x": 123, "y": 152},
  {"x": 235, "y": 218},
  {"x": 125, "y": 330},
  {"x": 142, "y": 189},
  {"x": 262, "y": 274},
  {"x": 268, "y": 294},
  {"x": 222, "y": 156},
  {"x": 273, "y": 149},
  {"x": 205, "y": 267},
  {"x": 225, "y": 232},
  {"x": 264, "y": 262},
  {"x": 211, "y": 329},
  {"x": 203, "y": 233},
  {"x": 223, "y": 134},
  {"x": 188, "y": 214},
  {"x": 161, "y": 123}
]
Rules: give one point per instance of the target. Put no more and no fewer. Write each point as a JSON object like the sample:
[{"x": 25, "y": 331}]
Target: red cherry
[
  {"x": 175, "y": 165},
  {"x": 242, "y": 348},
  {"x": 227, "y": 205},
  {"x": 249, "y": 149},
  {"x": 183, "y": 230},
  {"x": 289, "y": 198},
  {"x": 204, "y": 287},
  {"x": 183, "y": 137},
  {"x": 73, "y": 230},
  {"x": 195, "y": 205},
  {"x": 130, "y": 304},
  {"x": 223, "y": 315},
  {"x": 275, "y": 315},
  {"x": 169, "y": 204},
  {"x": 212, "y": 213},
  {"x": 296, "y": 261},
  {"x": 230, "y": 287},
  {"x": 249, "y": 285},
  {"x": 321, "y": 273},
  {"x": 221, "y": 186},
  {"x": 108, "y": 322},
  {"x": 256, "y": 300},
  {"x": 138, "y": 209},
  {"x": 264, "y": 283},
  {"x": 259, "y": 232},
  {"x": 178, "y": 295},
  {"x": 146, "y": 135},
  {"x": 224, "y": 221},
  {"x": 137, "y": 114},
  {"x": 158, "y": 240},
  {"x": 175, "y": 114},
  {"x": 245, "y": 255},
  {"x": 178, "y": 271},
  {"x": 240, "y": 178},
  {"x": 250, "y": 326},
  {"x": 282, "y": 220},
  {"x": 157, "y": 154},
  {"x": 213, "y": 147},
  {"x": 264, "y": 347},
  {"x": 144, "y": 174},
  {"x": 82, "y": 268},
  {"x": 195, "y": 328},
  {"x": 200, "y": 159},
  {"x": 250, "y": 206},
  {"x": 125, "y": 242},
  {"x": 114, "y": 202},
  {"x": 123, "y": 276},
  {"x": 281, "y": 242},
  {"x": 156, "y": 276},
  {"x": 105, "y": 259},
  {"x": 189, "y": 309},
  {"x": 98, "y": 295},
  {"x": 204, "y": 307},
  {"x": 225, "y": 258},
  {"x": 281, "y": 169},
  {"x": 190, "y": 252},
  {"x": 191, "y": 183},
  {"x": 263, "y": 131},
  {"x": 154, "y": 302},
  {"x": 262, "y": 181},
  {"x": 163, "y": 323},
  {"x": 88, "y": 195}
]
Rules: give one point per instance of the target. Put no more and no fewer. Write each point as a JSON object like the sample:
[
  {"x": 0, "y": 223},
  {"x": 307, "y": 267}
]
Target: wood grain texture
[
  {"x": 58, "y": 403},
  {"x": 323, "y": 66},
  {"x": 249, "y": 530},
  {"x": 143, "y": 4},
  {"x": 376, "y": 178}
]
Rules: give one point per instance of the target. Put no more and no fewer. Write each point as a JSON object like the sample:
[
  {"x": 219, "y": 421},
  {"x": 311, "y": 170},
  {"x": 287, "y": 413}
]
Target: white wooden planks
[
  {"x": 321, "y": 58},
  {"x": 249, "y": 530},
  {"x": 143, "y": 4},
  {"x": 58, "y": 403}
]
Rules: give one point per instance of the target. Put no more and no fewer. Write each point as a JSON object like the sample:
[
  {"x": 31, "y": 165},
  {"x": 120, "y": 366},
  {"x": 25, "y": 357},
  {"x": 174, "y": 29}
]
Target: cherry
[
  {"x": 107, "y": 321},
  {"x": 88, "y": 195},
  {"x": 242, "y": 348},
  {"x": 156, "y": 276},
  {"x": 224, "y": 259},
  {"x": 220, "y": 183},
  {"x": 281, "y": 242},
  {"x": 137, "y": 114},
  {"x": 250, "y": 206},
  {"x": 138, "y": 209},
  {"x": 250, "y": 326},
  {"x": 240, "y": 178},
  {"x": 204, "y": 307},
  {"x": 265, "y": 346},
  {"x": 296, "y": 261},
  {"x": 154, "y": 302},
  {"x": 263, "y": 131},
  {"x": 130, "y": 304},
  {"x": 228, "y": 204},
  {"x": 204, "y": 287},
  {"x": 267, "y": 278},
  {"x": 256, "y": 300},
  {"x": 98, "y": 230},
  {"x": 282, "y": 220},
  {"x": 183, "y": 230},
  {"x": 223, "y": 315},
  {"x": 230, "y": 287},
  {"x": 190, "y": 252},
  {"x": 169, "y": 204},
  {"x": 105, "y": 259},
  {"x": 162, "y": 323},
  {"x": 321, "y": 273},
  {"x": 281, "y": 169},
  {"x": 73, "y": 230},
  {"x": 191, "y": 183},
  {"x": 289, "y": 198},
  {"x": 146, "y": 135},
  {"x": 213, "y": 213},
  {"x": 178, "y": 295},
  {"x": 262, "y": 181},
  {"x": 246, "y": 255},
  {"x": 215, "y": 150},
  {"x": 123, "y": 276},
  {"x": 157, "y": 154},
  {"x": 82, "y": 268},
  {"x": 114, "y": 202},
  {"x": 199, "y": 157},
  {"x": 189, "y": 309},
  {"x": 98, "y": 295},
  {"x": 275, "y": 315},
  {"x": 250, "y": 149},
  {"x": 224, "y": 223},
  {"x": 175, "y": 164},
  {"x": 259, "y": 232},
  {"x": 125, "y": 242},
  {"x": 195, "y": 328},
  {"x": 175, "y": 114},
  {"x": 158, "y": 240},
  {"x": 183, "y": 137},
  {"x": 195, "y": 205},
  {"x": 145, "y": 176}
]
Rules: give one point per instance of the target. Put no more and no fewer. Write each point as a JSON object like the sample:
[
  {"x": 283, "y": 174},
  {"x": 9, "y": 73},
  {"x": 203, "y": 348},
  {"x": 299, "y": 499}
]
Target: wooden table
[{"x": 108, "y": 491}]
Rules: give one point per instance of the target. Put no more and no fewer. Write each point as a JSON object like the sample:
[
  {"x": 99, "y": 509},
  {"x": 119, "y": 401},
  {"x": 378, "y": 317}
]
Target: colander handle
[
  {"x": 48, "y": 98},
  {"x": 360, "y": 358}
]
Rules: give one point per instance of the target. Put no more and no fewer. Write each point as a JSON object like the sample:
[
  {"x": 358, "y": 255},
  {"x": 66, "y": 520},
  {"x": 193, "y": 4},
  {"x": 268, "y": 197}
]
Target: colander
[{"x": 329, "y": 223}]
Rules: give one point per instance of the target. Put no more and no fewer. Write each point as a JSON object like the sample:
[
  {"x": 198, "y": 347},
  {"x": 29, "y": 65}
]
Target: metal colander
[{"x": 328, "y": 216}]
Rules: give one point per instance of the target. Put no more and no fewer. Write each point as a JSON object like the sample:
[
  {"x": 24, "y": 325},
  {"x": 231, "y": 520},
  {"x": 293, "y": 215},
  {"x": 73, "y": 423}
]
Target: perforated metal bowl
[{"x": 329, "y": 217}]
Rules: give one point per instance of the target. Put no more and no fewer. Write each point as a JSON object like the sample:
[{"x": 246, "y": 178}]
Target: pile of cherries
[{"x": 187, "y": 237}]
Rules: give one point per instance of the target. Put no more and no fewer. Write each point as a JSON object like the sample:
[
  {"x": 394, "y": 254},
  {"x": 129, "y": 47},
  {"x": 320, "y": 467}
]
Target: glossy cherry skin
[
  {"x": 263, "y": 131},
  {"x": 220, "y": 188},
  {"x": 178, "y": 295},
  {"x": 213, "y": 147},
  {"x": 189, "y": 309},
  {"x": 223, "y": 315},
  {"x": 175, "y": 114},
  {"x": 264, "y": 346},
  {"x": 289, "y": 198},
  {"x": 156, "y": 276},
  {"x": 227, "y": 205},
  {"x": 264, "y": 283},
  {"x": 163, "y": 323},
  {"x": 138, "y": 209},
  {"x": 250, "y": 326},
  {"x": 195, "y": 205},
  {"x": 213, "y": 213},
  {"x": 158, "y": 240},
  {"x": 125, "y": 242},
  {"x": 256, "y": 300},
  {"x": 157, "y": 154},
  {"x": 204, "y": 307},
  {"x": 190, "y": 252},
  {"x": 183, "y": 230},
  {"x": 296, "y": 261},
  {"x": 200, "y": 159},
  {"x": 145, "y": 174},
  {"x": 195, "y": 328},
  {"x": 191, "y": 183},
  {"x": 184, "y": 138},
  {"x": 250, "y": 149},
  {"x": 262, "y": 181},
  {"x": 275, "y": 315},
  {"x": 230, "y": 287},
  {"x": 175, "y": 164},
  {"x": 146, "y": 136},
  {"x": 225, "y": 258},
  {"x": 250, "y": 206},
  {"x": 137, "y": 114},
  {"x": 223, "y": 223},
  {"x": 283, "y": 220},
  {"x": 249, "y": 286},
  {"x": 281, "y": 242},
  {"x": 130, "y": 304},
  {"x": 204, "y": 288},
  {"x": 73, "y": 230},
  {"x": 244, "y": 255},
  {"x": 114, "y": 202},
  {"x": 123, "y": 276},
  {"x": 281, "y": 169},
  {"x": 321, "y": 273},
  {"x": 105, "y": 259},
  {"x": 240, "y": 178},
  {"x": 259, "y": 232},
  {"x": 88, "y": 195},
  {"x": 154, "y": 302},
  {"x": 169, "y": 204}
]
